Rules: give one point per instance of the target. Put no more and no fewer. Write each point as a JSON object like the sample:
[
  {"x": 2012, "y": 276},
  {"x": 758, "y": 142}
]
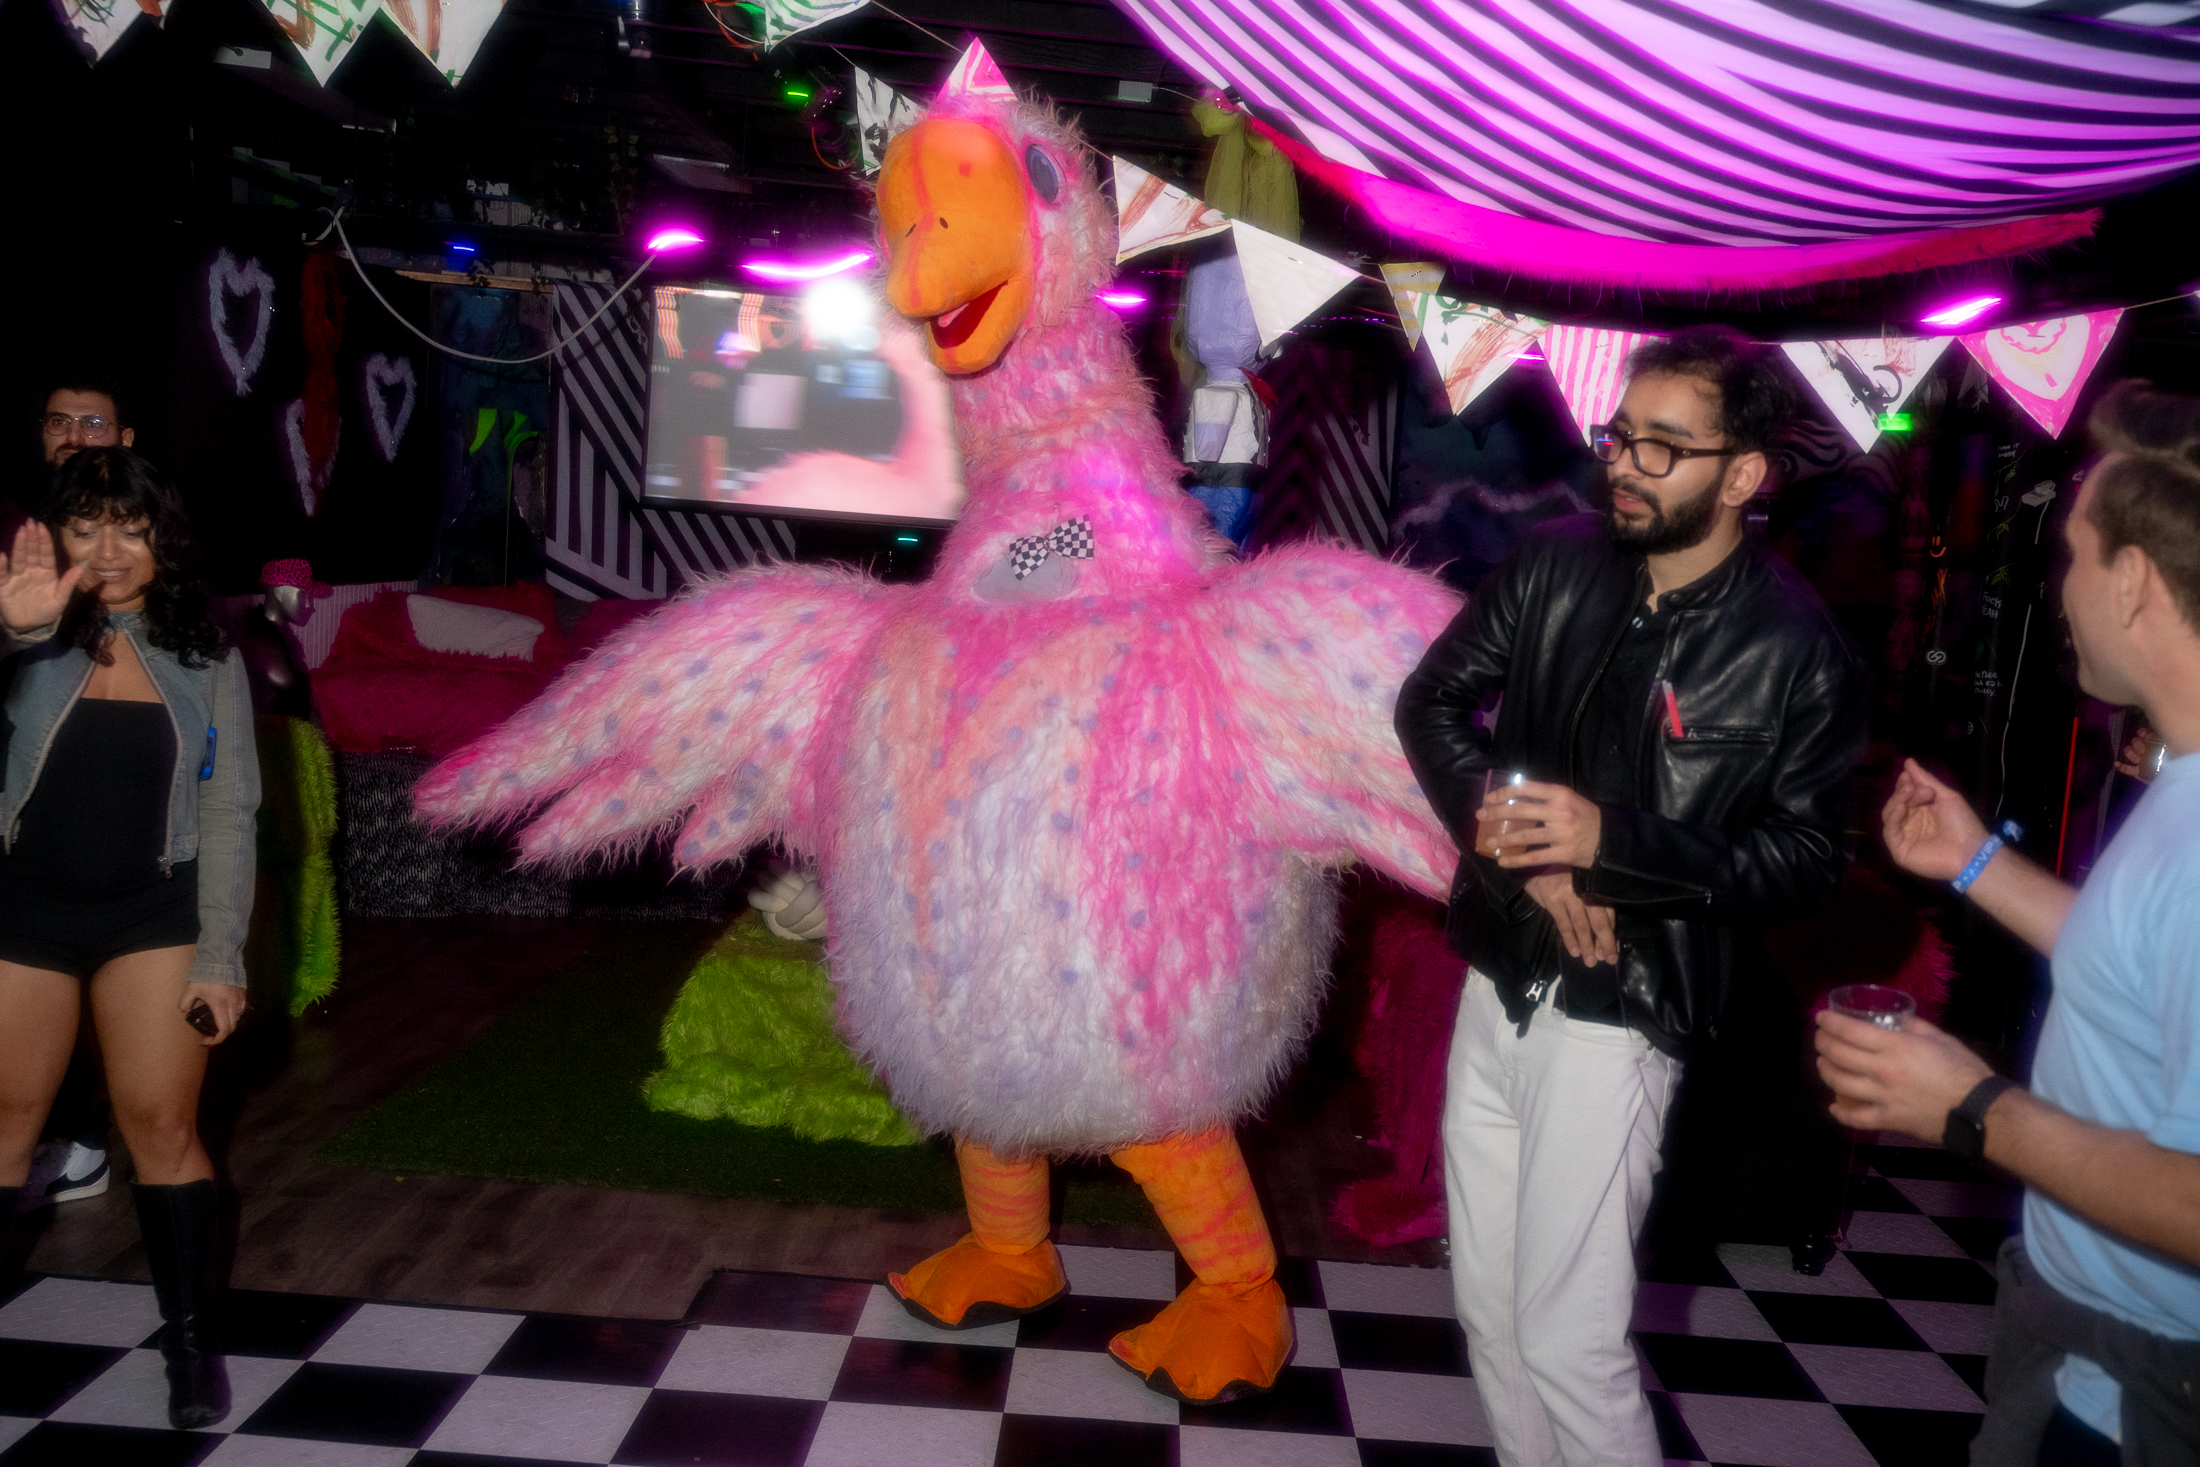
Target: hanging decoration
[
  {"x": 978, "y": 77},
  {"x": 1855, "y": 139},
  {"x": 1589, "y": 366},
  {"x": 1862, "y": 380},
  {"x": 251, "y": 283},
  {"x": 97, "y": 24},
  {"x": 1151, "y": 212},
  {"x": 308, "y": 470},
  {"x": 321, "y": 314},
  {"x": 880, "y": 113},
  {"x": 1490, "y": 239},
  {"x": 1473, "y": 345},
  {"x": 1285, "y": 282},
  {"x": 783, "y": 18},
  {"x": 2044, "y": 364},
  {"x": 1408, "y": 283},
  {"x": 448, "y": 32},
  {"x": 383, "y": 376}
]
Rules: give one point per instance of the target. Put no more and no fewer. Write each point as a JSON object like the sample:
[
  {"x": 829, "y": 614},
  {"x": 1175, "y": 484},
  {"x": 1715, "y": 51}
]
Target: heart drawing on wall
[
  {"x": 311, "y": 477},
  {"x": 256, "y": 288},
  {"x": 386, "y": 377}
]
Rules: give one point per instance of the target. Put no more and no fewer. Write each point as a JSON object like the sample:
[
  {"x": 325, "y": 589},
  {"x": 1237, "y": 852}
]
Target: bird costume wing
[
  {"x": 1315, "y": 641},
  {"x": 707, "y": 711}
]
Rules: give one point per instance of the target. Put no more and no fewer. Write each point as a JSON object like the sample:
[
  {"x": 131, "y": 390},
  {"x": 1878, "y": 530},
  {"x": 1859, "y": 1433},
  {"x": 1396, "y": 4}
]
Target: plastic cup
[
  {"x": 1874, "y": 1003},
  {"x": 1492, "y": 782}
]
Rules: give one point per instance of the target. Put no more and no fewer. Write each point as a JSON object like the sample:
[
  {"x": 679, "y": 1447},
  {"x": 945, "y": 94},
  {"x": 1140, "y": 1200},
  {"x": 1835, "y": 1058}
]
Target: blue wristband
[{"x": 2009, "y": 831}]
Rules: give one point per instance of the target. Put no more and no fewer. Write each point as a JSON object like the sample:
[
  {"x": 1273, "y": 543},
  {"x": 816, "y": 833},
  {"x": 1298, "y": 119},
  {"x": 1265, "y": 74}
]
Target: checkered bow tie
[{"x": 1072, "y": 538}]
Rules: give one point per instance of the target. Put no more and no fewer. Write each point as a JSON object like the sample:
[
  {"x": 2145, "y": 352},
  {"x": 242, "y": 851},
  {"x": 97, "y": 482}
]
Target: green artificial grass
[{"x": 554, "y": 1092}]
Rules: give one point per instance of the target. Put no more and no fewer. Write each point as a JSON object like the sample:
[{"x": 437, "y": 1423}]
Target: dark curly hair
[
  {"x": 1755, "y": 398},
  {"x": 114, "y": 484}
]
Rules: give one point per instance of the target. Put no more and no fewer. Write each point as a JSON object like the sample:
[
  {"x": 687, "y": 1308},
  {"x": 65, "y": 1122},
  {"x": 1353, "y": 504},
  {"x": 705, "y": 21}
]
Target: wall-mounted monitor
[{"x": 820, "y": 402}]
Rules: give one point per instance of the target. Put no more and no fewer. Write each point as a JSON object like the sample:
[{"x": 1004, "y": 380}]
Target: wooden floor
[{"x": 413, "y": 992}]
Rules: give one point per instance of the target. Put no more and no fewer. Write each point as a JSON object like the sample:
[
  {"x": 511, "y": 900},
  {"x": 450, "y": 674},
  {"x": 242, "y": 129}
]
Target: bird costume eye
[{"x": 1046, "y": 179}]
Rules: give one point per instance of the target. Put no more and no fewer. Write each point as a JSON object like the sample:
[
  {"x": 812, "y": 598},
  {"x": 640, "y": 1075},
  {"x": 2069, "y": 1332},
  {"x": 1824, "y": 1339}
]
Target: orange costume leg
[
  {"x": 1229, "y": 1333},
  {"x": 1004, "y": 1266}
]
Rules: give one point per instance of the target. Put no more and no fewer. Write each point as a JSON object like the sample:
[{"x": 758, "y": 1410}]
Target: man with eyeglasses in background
[
  {"x": 1686, "y": 714},
  {"x": 82, "y": 412},
  {"x": 70, "y": 1163}
]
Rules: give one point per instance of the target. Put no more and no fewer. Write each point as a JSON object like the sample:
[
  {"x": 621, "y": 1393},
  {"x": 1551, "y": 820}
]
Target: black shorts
[{"x": 41, "y": 928}]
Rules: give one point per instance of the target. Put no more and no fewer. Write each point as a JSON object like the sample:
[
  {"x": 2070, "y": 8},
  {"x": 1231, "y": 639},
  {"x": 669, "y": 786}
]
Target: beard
[{"x": 1681, "y": 526}]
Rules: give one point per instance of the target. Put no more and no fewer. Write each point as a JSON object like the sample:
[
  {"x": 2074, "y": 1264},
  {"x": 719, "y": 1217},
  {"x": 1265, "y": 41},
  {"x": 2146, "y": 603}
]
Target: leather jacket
[{"x": 1739, "y": 822}]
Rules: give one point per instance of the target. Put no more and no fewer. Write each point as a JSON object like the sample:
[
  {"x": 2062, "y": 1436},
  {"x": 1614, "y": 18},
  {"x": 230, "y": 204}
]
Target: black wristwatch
[{"x": 1965, "y": 1135}]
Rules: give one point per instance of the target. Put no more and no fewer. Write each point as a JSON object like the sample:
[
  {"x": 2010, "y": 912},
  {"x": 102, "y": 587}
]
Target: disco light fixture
[
  {"x": 1962, "y": 313},
  {"x": 800, "y": 270},
  {"x": 673, "y": 237}
]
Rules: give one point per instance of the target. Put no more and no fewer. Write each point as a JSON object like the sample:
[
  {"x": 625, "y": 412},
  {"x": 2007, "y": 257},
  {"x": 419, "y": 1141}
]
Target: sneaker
[{"x": 64, "y": 1171}]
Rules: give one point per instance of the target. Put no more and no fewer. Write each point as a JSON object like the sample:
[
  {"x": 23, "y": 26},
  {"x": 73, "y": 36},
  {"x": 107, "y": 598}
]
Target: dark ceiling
[
  {"x": 569, "y": 108},
  {"x": 589, "y": 136}
]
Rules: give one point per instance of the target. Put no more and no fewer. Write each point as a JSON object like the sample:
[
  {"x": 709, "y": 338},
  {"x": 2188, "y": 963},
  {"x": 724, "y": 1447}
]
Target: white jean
[{"x": 1550, "y": 1145}]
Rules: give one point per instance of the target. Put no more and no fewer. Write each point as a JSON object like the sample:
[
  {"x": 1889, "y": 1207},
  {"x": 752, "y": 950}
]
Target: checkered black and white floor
[{"x": 1877, "y": 1361}]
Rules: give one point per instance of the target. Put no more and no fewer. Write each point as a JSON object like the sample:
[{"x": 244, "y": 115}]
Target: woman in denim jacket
[{"x": 127, "y": 846}]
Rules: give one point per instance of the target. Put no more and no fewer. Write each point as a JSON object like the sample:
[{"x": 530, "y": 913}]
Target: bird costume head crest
[{"x": 990, "y": 219}]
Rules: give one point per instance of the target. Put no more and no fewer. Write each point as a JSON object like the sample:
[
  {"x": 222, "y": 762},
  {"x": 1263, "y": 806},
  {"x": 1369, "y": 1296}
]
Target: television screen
[{"x": 748, "y": 387}]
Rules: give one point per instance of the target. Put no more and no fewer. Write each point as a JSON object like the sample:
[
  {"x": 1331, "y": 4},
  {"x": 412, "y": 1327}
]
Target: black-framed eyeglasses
[
  {"x": 1654, "y": 457},
  {"x": 92, "y": 423}
]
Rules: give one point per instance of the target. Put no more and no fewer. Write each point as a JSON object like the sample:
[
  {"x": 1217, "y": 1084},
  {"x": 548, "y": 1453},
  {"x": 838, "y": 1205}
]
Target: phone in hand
[{"x": 201, "y": 1018}]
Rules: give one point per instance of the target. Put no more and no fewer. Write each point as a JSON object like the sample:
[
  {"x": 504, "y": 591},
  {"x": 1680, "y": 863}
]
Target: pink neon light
[
  {"x": 677, "y": 237},
  {"x": 1122, "y": 300},
  {"x": 1530, "y": 355},
  {"x": 1962, "y": 312},
  {"x": 806, "y": 270}
]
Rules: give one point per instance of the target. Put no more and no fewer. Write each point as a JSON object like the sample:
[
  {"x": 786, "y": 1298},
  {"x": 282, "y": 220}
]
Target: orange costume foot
[
  {"x": 1004, "y": 1267},
  {"x": 1229, "y": 1334}
]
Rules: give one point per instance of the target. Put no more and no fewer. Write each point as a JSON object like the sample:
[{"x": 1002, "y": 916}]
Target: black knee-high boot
[
  {"x": 179, "y": 1228},
  {"x": 12, "y": 1248}
]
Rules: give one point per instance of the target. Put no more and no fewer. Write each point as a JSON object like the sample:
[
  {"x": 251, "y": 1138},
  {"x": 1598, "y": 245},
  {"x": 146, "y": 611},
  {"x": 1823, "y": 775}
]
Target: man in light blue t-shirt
[{"x": 2097, "y": 1327}]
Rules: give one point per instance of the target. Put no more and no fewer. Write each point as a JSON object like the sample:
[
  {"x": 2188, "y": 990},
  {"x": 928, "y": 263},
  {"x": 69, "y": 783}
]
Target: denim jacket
[{"x": 214, "y": 799}]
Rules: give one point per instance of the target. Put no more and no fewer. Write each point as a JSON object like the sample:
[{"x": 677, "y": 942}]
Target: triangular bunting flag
[
  {"x": 451, "y": 43},
  {"x": 1285, "y": 282},
  {"x": 324, "y": 31},
  {"x": 1473, "y": 345},
  {"x": 782, "y": 18},
  {"x": 448, "y": 32},
  {"x": 1590, "y": 367},
  {"x": 975, "y": 75},
  {"x": 1408, "y": 283},
  {"x": 1150, "y": 213},
  {"x": 98, "y": 24},
  {"x": 2044, "y": 364},
  {"x": 880, "y": 113},
  {"x": 1860, "y": 379}
]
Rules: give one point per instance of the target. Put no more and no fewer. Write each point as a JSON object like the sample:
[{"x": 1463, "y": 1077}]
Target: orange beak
[{"x": 954, "y": 213}]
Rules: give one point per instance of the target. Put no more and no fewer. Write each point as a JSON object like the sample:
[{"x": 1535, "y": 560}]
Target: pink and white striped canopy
[{"x": 1721, "y": 122}]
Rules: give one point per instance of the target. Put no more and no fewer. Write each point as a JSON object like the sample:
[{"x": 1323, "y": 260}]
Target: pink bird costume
[{"x": 1075, "y": 800}]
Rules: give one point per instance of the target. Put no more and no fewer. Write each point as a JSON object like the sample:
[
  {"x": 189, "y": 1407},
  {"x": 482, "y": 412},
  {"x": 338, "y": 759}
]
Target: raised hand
[
  {"x": 32, "y": 593},
  {"x": 1930, "y": 831}
]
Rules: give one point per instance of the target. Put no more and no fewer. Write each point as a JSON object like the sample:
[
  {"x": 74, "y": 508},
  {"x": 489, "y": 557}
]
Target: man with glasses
[
  {"x": 1668, "y": 767},
  {"x": 82, "y": 412}
]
